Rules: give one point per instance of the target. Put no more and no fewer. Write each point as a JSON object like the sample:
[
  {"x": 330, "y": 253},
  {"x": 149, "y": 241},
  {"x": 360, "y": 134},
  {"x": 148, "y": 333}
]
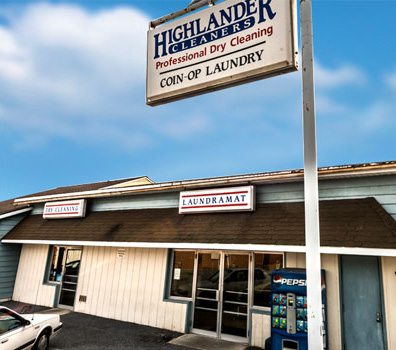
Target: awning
[{"x": 354, "y": 223}]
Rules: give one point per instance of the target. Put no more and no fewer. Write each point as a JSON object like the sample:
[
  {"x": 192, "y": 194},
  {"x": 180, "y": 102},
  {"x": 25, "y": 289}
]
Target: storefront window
[
  {"x": 263, "y": 265},
  {"x": 182, "y": 274},
  {"x": 56, "y": 267}
]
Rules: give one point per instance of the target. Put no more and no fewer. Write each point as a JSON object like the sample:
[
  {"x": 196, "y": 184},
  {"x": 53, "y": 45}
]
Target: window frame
[
  {"x": 171, "y": 257},
  {"x": 261, "y": 308},
  {"x": 48, "y": 266},
  {"x": 169, "y": 275},
  {"x": 49, "y": 261}
]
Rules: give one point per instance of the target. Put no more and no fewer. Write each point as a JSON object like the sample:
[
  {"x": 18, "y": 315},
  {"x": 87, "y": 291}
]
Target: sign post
[
  {"x": 311, "y": 192},
  {"x": 235, "y": 42}
]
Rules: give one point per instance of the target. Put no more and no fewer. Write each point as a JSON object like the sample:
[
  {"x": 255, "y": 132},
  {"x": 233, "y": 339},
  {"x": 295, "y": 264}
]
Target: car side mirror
[{"x": 25, "y": 323}]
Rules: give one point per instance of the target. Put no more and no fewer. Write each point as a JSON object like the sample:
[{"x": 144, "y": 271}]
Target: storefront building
[{"x": 133, "y": 256}]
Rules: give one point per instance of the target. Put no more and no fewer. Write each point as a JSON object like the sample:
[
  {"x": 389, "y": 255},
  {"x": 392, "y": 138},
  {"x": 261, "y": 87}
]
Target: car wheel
[{"x": 42, "y": 342}]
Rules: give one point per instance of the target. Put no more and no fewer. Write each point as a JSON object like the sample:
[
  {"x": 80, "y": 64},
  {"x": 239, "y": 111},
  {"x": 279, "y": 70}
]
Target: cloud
[
  {"x": 72, "y": 56},
  {"x": 390, "y": 80},
  {"x": 13, "y": 61},
  {"x": 330, "y": 106},
  {"x": 179, "y": 129},
  {"x": 346, "y": 75},
  {"x": 67, "y": 72}
]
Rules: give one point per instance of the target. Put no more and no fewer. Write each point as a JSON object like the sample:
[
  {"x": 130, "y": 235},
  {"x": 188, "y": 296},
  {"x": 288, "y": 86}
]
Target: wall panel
[
  {"x": 128, "y": 288},
  {"x": 29, "y": 287},
  {"x": 261, "y": 329},
  {"x": 389, "y": 284},
  {"x": 9, "y": 257}
]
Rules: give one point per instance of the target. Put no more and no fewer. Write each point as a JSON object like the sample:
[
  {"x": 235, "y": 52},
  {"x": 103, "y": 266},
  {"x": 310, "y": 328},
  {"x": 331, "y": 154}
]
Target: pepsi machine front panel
[{"x": 289, "y": 325}]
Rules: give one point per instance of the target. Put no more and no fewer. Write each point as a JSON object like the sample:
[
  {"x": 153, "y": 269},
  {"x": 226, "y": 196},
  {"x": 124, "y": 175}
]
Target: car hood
[{"x": 38, "y": 318}]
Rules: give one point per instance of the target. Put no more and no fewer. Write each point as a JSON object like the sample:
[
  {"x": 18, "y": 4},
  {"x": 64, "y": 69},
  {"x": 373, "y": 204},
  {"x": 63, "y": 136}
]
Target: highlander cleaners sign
[
  {"x": 65, "y": 209},
  {"x": 221, "y": 199},
  {"x": 226, "y": 44}
]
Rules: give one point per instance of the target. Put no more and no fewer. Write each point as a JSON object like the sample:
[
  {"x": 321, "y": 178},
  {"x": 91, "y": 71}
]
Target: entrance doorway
[
  {"x": 362, "y": 314},
  {"x": 221, "y": 300},
  {"x": 71, "y": 268}
]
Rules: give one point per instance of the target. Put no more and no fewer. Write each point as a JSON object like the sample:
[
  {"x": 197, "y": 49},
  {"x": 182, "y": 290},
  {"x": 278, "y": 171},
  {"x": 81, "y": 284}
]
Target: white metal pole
[{"x": 311, "y": 193}]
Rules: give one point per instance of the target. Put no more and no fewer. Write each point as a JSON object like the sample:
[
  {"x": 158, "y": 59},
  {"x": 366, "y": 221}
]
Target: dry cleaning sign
[{"x": 226, "y": 44}]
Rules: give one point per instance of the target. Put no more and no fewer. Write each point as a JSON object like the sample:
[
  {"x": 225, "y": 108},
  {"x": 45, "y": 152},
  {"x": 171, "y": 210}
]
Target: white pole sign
[{"x": 227, "y": 44}]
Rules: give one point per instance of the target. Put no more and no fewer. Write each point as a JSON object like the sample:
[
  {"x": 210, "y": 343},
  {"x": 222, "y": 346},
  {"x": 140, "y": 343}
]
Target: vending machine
[{"x": 289, "y": 309}]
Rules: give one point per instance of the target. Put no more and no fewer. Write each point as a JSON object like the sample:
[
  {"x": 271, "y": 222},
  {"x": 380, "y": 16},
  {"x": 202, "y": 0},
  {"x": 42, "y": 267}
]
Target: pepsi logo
[
  {"x": 289, "y": 281},
  {"x": 277, "y": 279}
]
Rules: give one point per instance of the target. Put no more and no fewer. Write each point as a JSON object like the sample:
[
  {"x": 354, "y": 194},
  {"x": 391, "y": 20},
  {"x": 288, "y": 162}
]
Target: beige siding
[
  {"x": 261, "y": 329},
  {"x": 29, "y": 287},
  {"x": 389, "y": 281},
  {"x": 128, "y": 288},
  {"x": 330, "y": 265}
]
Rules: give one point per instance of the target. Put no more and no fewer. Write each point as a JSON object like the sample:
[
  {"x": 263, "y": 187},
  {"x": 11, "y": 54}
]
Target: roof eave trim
[
  {"x": 16, "y": 212},
  {"x": 217, "y": 246},
  {"x": 358, "y": 251},
  {"x": 209, "y": 246}
]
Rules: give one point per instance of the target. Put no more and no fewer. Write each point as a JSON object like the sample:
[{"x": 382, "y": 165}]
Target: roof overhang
[{"x": 346, "y": 225}]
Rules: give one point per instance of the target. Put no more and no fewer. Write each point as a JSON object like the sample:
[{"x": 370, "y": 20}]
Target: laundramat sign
[
  {"x": 222, "y": 199},
  {"x": 227, "y": 44},
  {"x": 65, "y": 209}
]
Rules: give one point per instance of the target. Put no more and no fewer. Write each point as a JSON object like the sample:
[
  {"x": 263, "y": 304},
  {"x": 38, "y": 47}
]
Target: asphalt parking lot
[{"x": 81, "y": 331}]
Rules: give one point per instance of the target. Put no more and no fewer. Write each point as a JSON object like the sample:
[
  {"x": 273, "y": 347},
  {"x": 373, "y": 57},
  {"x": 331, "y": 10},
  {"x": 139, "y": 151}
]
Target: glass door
[
  {"x": 70, "y": 277},
  {"x": 235, "y": 296},
  {"x": 206, "y": 305},
  {"x": 221, "y": 300}
]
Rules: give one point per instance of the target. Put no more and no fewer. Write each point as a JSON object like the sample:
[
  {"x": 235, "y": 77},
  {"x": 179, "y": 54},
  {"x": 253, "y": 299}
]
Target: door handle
[
  {"x": 378, "y": 317},
  {"x": 4, "y": 341}
]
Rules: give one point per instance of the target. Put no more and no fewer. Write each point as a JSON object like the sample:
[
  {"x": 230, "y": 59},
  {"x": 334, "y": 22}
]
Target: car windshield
[
  {"x": 72, "y": 267},
  {"x": 8, "y": 321}
]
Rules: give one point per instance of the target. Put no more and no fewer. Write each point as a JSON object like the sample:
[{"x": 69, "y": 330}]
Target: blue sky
[{"x": 72, "y": 99}]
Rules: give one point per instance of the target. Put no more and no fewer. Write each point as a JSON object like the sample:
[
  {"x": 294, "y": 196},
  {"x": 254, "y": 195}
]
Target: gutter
[{"x": 16, "y": 212}]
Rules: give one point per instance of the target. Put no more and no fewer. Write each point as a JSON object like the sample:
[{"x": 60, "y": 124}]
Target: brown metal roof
[
  {"x": 344, "y": 223},
  {"x": 333, "y": 172},
  {"x": 83, "y": 187},
  {"x": 7, "y": 206}
]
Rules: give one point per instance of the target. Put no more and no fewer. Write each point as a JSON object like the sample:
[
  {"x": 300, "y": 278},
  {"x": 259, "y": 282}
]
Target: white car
[{"x": 26, "y": 331}]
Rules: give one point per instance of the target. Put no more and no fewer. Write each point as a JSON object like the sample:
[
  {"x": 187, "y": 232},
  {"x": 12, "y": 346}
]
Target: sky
[{"x": 72, "y": 98}]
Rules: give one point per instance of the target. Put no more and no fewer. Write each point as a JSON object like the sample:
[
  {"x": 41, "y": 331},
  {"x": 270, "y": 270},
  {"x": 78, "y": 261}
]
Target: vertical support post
[{"x": 311, "y": 192}]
